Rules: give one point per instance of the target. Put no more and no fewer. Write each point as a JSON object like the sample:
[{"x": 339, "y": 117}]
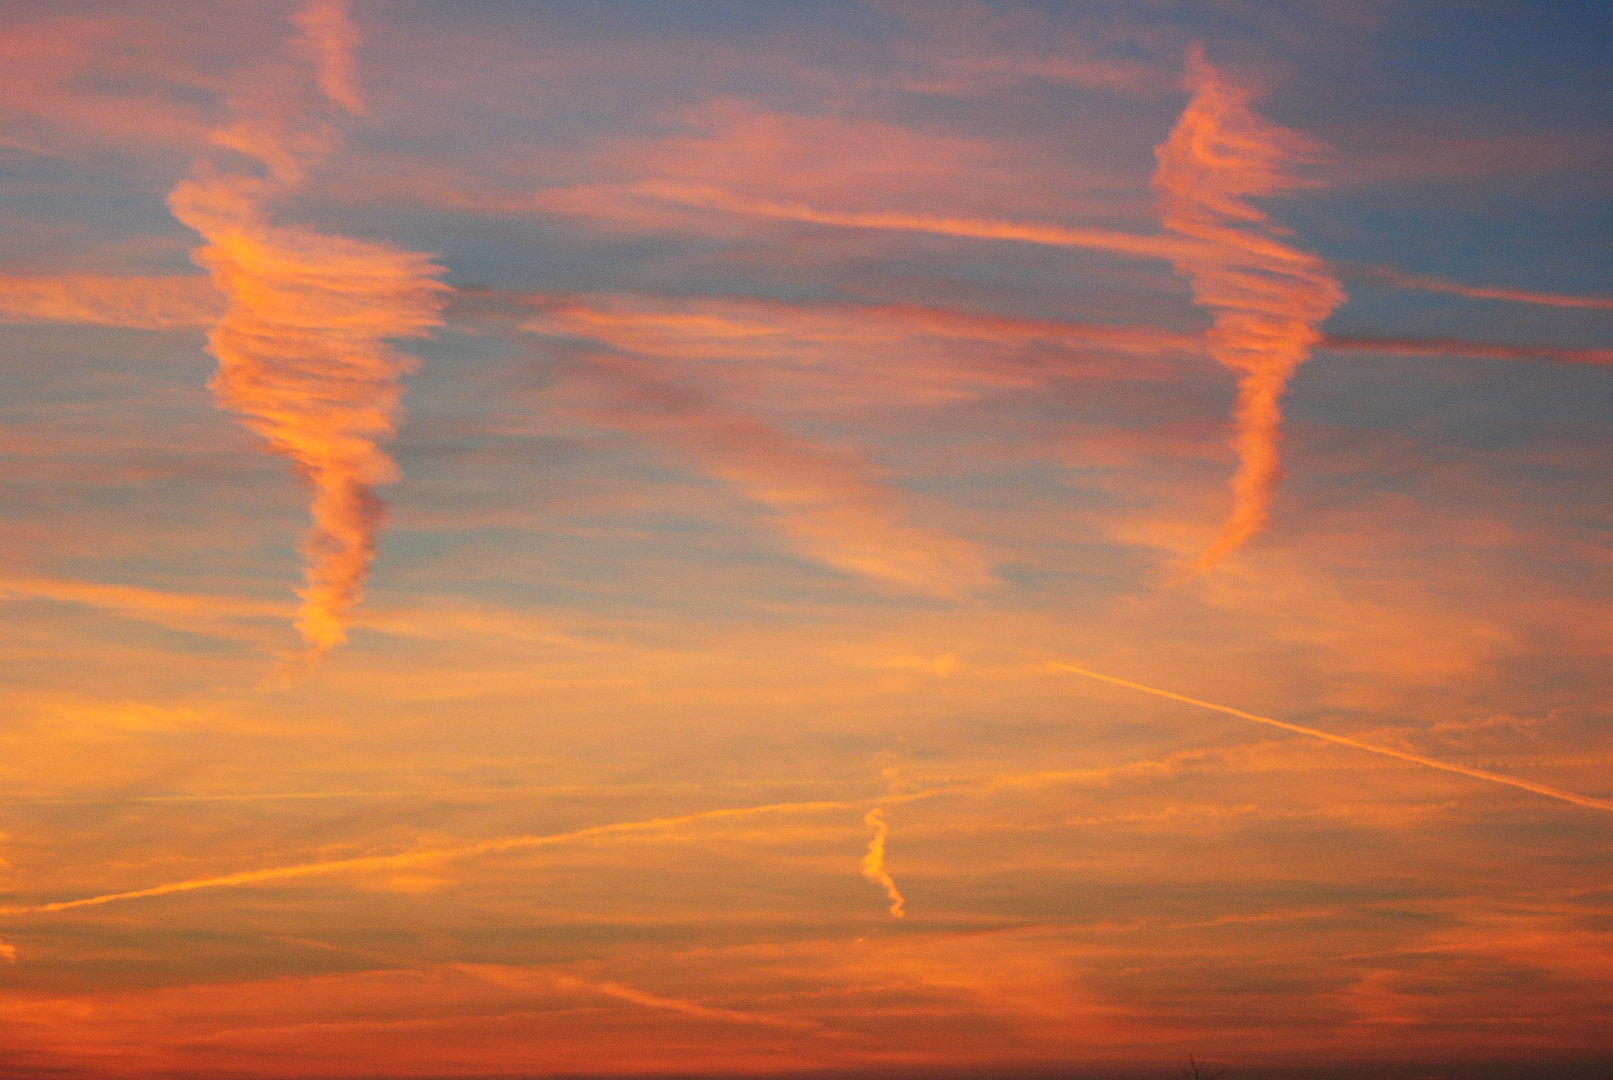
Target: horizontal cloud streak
[
  {"x": 1450, "y": 346},
  {"x": 840, "y": 355},
  {"x": 211, "y": 613},
  {"x": 705, "y": 197},
  {"x": 146, "y": 303},
  {"x": 677, "y": 1005},
  {"x": 1427, "y": 283},
  {"x": 174, "y": 610}
]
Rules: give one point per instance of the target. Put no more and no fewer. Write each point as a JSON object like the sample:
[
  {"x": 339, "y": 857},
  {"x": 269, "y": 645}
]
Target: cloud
[
  {"x": 1418, "y": 759},
  {"x": 173, "y": 610},
  {"x": 109, "y": 77},
  {"x": 1268, "y": 298},
  {"x": 218, "y": 615},
  {"x": 301, "y": 344},
  {"x": 1430, "y": 283},
  {"x": 873, "y": 864},
  {"x": 678, "y": 1005},
  {"x": 708, "y": 197},
  {"x": 331, "y": 38},
  {"x": 841, "y": 357},
  {"x": 146, "y": 303},
  {"x": 721, "y": 168},
  {"x": 423, "y": 856},
  {"x": 835, "y": 507},
  {"x": 1450, "y": 346}
]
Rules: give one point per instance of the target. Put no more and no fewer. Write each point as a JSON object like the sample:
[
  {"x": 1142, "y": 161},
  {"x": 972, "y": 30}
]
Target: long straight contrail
[
  {"x": 1343, "y": 740},
  {"x": 422, "y": 856}
]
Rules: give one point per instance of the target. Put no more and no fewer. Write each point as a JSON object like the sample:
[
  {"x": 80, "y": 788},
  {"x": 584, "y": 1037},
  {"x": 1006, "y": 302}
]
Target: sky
[{"x": 846, "y": 538}]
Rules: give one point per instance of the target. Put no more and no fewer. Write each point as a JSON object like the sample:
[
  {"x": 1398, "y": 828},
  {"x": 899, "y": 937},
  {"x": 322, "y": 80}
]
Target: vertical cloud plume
[
  {"x": 1268, "y": 298},
  {"x": 873, "y": 865},
  {"x": 301, "y": 343},
  {"x": 331, "y": 37}
]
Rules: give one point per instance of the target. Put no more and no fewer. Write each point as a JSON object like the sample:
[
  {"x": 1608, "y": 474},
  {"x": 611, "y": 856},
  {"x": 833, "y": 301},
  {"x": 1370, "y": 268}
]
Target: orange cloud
[
  {"x": 1268, "y": 298},
  {"x": 1429, "y": 283},
  {"x": 699, "y": 375},
  {"x": 329, "y": 35},
  {"x": 147, "y": 303},
  {"x": 184, "y": 612},
  {"x": 707, "y": 197},
  {"x": 1449, "y": 346},
  {"x": 859, "y": 355},
  {"x": 834, "y": 506},
  {"x": 217, "y": 615},
  {"x": 676, "y": 1005},
  {"x": 73, "y": 76},
  {"x": 873, "y": 864},
  {"x": 301, "y": 344}
]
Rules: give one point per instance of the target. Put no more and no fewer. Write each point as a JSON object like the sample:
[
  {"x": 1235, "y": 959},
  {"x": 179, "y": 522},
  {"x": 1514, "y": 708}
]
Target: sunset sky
[{"x": 878, "y": 538}]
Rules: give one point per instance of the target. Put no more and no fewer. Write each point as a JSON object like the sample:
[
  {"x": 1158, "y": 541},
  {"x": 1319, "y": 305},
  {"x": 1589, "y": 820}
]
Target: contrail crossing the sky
[{"x": 1342, "y": 740}]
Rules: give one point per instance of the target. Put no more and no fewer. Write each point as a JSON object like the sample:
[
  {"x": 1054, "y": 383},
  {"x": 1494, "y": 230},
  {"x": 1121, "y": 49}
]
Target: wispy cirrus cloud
[
  {"x": 1268, "y": 299},
  {"x": 834, "y": 506},
  {"x": 961, "y": 356},
  {"x": 1433, "y": 283},
  {"x": 302, "y": 339},
  {"x": 1462, "y": 347},
  {"x": 147, "y": 303},
  {"x": 707, "y": 197},
  {"x": 832, "y": 358}
]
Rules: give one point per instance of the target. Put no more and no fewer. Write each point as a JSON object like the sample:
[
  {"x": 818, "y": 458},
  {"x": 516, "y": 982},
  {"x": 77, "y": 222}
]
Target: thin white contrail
[{"x": 1343, "y": 740}]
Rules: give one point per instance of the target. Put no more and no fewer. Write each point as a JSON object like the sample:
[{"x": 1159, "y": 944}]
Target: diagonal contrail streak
[
  {"x": 1343, "y": 740},
  {"x": 420, "y": 856}
]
